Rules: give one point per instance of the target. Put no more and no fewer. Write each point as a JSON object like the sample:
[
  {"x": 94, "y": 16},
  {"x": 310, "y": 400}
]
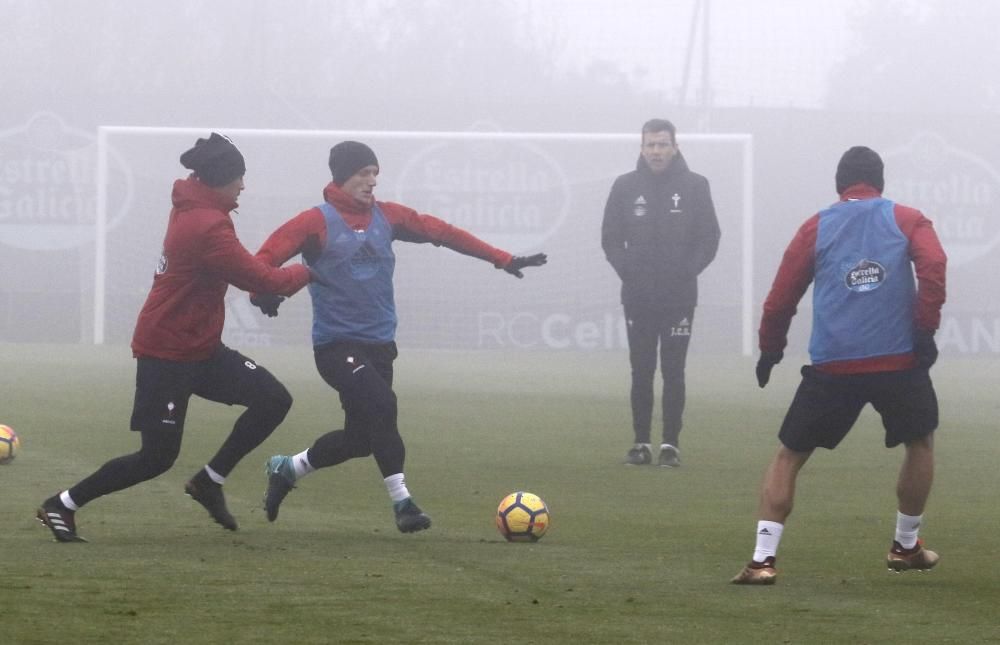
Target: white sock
[
  {"x": 768, "y": 537},
  {"x": 396, "y": 485},
  {"x": 67, "y": 501},
  {"x": 301, "y": 465},
  {"x": 214, "y": 476},
  {"x": 907, "y": 528}
]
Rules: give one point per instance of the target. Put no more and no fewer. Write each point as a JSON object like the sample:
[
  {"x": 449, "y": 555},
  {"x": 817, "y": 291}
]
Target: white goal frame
[{"x": 101, "y": 219}]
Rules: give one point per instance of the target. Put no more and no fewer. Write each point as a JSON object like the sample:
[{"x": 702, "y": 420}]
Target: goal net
[{"x": 522, "y": 192}]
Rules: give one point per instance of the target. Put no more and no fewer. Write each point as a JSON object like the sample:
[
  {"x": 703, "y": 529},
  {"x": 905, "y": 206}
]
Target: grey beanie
[{"x": 347, "y": 158}]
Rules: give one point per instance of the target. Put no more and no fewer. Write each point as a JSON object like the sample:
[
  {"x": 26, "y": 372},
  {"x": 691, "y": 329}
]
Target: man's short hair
[
  {"x": 660, "y": 125},
  {"x": 860, "y": 165}
]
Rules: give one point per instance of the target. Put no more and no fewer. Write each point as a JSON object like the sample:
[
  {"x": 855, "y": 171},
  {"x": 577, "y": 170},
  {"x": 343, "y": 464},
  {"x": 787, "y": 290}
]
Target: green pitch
[{"x": 634, "y": 555}]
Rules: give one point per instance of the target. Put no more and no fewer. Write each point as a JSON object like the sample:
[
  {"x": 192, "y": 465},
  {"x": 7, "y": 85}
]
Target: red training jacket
[
  {"x": 185, "y": 310},
  {"x": 798, "y": 267},
  {"x": 306, "y": 232}
]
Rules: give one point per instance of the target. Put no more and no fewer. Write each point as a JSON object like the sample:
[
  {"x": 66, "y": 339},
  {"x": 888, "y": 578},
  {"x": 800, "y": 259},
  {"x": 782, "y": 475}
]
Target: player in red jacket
[
  {"x": 877, "y": 272},
  {"x": 347, "y": 240},
  {"x": 178, "y": 344}
]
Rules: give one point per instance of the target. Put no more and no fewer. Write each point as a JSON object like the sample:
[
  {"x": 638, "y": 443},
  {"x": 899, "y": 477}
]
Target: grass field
[{"x": 634, "y": 555}]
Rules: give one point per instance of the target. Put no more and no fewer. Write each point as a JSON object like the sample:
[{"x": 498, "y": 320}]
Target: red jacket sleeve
[
  {"x": 225, "y": 256},
  {"x": 929, "y": 263},
  {"x": 305, "y": 233},
  {"x": 410, "y": 226},
  {"x": 794, "y": 276}
]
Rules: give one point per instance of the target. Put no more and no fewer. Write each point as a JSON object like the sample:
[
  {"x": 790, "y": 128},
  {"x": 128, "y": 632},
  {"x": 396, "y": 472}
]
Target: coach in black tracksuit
[{"x": 659, "y": 232}]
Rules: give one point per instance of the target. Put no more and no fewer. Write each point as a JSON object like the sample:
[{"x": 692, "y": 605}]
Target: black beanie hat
[
  {"x": 860, "y": 165},
  {"x": 347, "y": 158},
  {"x": 215, "y": 161}
]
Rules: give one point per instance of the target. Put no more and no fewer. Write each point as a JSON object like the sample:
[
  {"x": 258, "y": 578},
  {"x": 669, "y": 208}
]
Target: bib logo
[
  {"x": 508, "y": 191},
  {"x": 866, "y": 275},
  {"x": 47, "y": 179},
  {"x": 956, "y": 189},
  {"x": 364, "y": 263}
]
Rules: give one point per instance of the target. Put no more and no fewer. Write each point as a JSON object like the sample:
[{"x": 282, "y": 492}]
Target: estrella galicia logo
[
  {"x": 958, "y": 188},
  {"x": 866, "y": 275},
  {"x": 47, "y": 178},
  {"x": 507, "y": 188}
]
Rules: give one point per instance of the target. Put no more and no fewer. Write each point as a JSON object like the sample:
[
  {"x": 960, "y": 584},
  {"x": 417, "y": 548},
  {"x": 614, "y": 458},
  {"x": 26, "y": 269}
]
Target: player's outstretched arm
[
  {"x": 519, "y": 262},
  {"x": 268, "y": 303}
]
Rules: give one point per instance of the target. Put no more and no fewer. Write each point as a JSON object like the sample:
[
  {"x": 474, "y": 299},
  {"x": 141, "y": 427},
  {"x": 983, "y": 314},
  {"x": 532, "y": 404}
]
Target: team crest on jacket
[
  {"x": 161, "y": 264},
  {"x": 639, "y": 206},
  {"x": 866, "y": 275}
]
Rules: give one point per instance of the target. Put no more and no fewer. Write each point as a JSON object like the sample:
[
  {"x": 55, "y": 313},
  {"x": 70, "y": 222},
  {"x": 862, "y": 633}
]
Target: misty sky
[{"x": 764, "y": 52}]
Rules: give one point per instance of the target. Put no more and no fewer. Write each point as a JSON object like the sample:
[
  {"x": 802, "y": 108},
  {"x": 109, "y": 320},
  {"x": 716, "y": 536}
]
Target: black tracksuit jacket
[{"x": 659, "y": 232}]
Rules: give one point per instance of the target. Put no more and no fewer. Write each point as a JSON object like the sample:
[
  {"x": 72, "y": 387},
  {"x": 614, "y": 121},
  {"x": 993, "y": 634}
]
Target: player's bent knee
[
  {"x": 360, "y": 451},
  {"x": 275, "y": 404},
  {"x": 386, "y": 408},
  {"x": 379, "y": 409},
  {"x": 155, "y": 463},
  {"x": 359, "y": 447}
]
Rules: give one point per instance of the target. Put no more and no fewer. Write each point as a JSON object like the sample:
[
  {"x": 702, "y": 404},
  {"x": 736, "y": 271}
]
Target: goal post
[{"x": 520, "y": 191}]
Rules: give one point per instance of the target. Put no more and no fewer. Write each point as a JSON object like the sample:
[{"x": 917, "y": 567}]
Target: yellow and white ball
[
  {"x": 522, "y": 517},
  {"x": 10, "y": 444}
]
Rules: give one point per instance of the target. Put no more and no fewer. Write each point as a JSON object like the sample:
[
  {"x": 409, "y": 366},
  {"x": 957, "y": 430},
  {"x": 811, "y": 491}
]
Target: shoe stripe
[
  {"x": 56, "y": 523},
  {"x": 61, "y": 524}
]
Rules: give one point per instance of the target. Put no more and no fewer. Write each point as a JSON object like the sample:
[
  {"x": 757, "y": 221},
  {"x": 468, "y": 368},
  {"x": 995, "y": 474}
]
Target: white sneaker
[{"x": 670, "y": 457}]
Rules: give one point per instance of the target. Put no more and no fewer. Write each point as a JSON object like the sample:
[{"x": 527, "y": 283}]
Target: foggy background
[{"x": 550, "y": 97}]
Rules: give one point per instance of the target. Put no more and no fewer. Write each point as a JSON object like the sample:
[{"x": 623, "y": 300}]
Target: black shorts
[
  {"x": 163, "y": 388},
  {"x": 826, "y": 406}
]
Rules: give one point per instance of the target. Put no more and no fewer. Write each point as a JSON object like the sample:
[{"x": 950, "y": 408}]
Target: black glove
[
  {"x": 767, "y": 361},
  {"x": 518, "y": 262},
  {"x": 267, "y": 303},
  {"x": 924, "y": 348}
]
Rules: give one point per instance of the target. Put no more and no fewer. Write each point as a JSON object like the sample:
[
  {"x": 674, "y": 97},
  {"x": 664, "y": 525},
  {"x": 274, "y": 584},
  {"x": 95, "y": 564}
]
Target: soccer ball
[
  {"x": 522, "y": 517},
  {"x": 9, "y": 444}
]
